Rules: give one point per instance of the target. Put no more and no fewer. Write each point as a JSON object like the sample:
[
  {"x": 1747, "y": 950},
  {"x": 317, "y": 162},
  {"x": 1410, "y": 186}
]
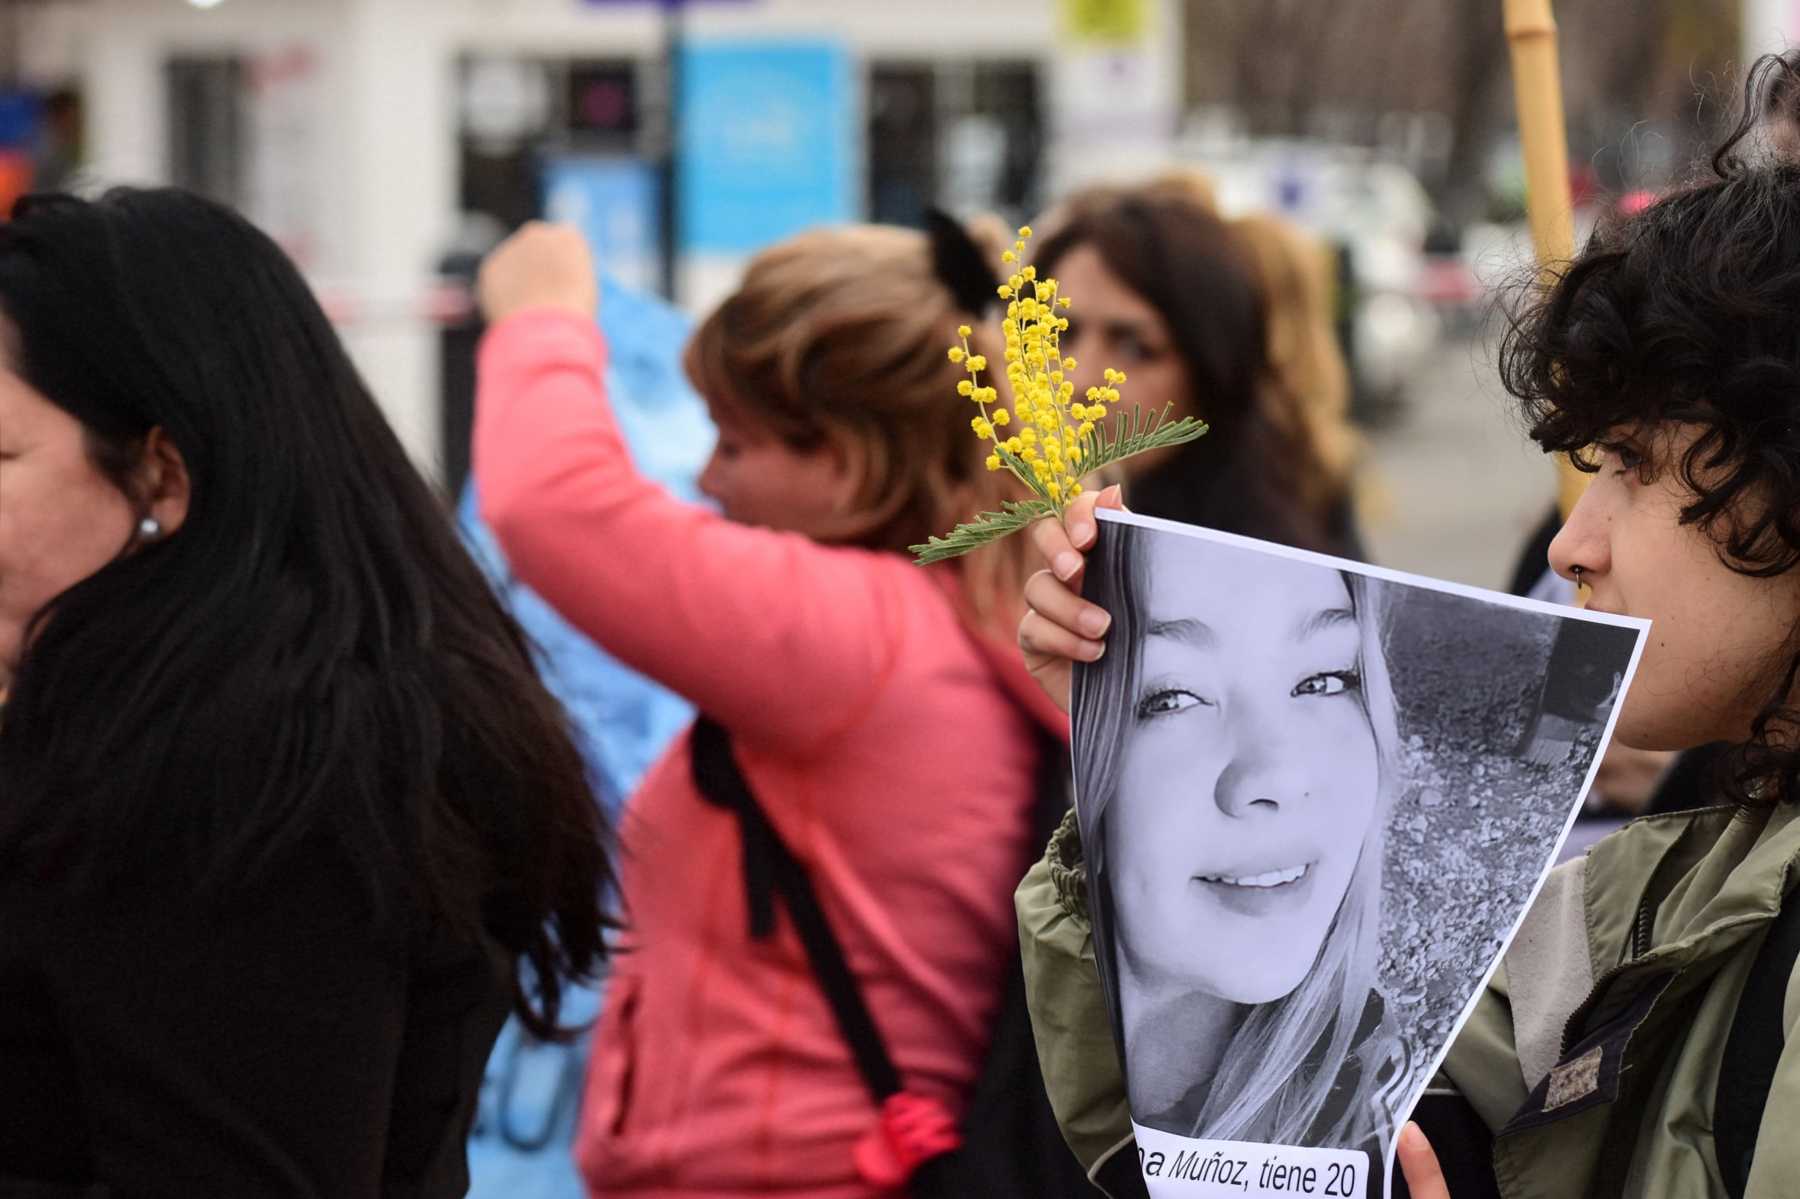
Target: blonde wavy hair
[
  {"x": 838, "y": 337},
  {"x": 1277, "y": 1080},
  {"x": 1297, "y": 274}
]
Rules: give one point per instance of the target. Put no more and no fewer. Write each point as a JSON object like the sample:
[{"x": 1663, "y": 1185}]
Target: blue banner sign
[{"x": 766, "y": 142}]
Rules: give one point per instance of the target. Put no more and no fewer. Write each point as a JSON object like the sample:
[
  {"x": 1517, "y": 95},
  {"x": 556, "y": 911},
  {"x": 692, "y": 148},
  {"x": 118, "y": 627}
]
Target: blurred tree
[{"x": 1642, "y": 78}]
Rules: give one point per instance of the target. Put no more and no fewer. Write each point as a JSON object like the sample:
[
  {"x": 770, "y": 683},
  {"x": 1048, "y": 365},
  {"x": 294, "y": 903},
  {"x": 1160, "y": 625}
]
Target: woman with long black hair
[{"x": 287, "y": 823}]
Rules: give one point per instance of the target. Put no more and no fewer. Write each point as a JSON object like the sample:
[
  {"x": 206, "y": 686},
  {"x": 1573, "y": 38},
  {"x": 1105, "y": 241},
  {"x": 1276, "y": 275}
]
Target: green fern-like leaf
[
  {"x": 1132, "y": 434},
  {"x": 989, "y": 526},
  {"x": 1136, "y": 433},
  {"x": 1021, "y": 470}
]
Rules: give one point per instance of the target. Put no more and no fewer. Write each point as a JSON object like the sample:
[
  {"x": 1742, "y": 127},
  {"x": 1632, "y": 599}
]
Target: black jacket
[{"x": 280, "y": 1044}]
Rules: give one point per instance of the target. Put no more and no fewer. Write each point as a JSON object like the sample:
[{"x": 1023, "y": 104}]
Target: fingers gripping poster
[{"x": 1315, "y": 801}]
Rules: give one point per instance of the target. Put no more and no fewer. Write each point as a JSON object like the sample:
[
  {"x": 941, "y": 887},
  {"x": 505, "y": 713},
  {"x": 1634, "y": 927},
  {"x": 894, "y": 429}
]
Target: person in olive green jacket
[{"x": 1666, "y": 360}]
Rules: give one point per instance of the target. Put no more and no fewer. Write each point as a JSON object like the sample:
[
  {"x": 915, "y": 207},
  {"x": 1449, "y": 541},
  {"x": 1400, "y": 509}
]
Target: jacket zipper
[
  {"x": 1640, "y": 932},
  {"x": 1640, "y": 945}
]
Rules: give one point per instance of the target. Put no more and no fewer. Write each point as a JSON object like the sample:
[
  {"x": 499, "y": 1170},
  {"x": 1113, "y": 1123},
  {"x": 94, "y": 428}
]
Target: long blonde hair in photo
[{"x": 1273, "y": 1084}]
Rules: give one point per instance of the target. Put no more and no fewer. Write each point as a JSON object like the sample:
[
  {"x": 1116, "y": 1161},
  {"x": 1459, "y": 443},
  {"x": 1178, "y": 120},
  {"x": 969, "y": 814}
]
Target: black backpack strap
[
  {"x": 770, "y": 868},
  {"x": 1747, "y": 1070}
]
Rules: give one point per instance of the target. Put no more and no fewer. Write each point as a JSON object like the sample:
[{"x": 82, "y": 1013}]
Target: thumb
[{"x": 1419, "y": 1164}]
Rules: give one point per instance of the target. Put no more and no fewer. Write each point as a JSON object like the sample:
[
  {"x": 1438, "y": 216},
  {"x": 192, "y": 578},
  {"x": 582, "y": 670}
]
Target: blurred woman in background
[
  {"x": 880, "y": 719},
  {"x": 1226, "y": 321}
]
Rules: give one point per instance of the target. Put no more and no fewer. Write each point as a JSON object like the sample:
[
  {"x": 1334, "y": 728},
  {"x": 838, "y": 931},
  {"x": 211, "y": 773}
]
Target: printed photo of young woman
[{"x": 1287, "y": 768}]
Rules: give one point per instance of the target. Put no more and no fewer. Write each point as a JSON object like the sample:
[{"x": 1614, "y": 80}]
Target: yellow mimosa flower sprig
[{"x": 1050, "y": 439}]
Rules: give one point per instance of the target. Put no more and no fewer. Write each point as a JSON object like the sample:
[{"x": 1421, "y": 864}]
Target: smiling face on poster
[{"x": 1291, "y": 772}]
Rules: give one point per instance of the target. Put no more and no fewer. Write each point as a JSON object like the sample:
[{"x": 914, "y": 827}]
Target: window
[
  {"x": 207, "y": 151},
  {"x": 966, "y": 136}
]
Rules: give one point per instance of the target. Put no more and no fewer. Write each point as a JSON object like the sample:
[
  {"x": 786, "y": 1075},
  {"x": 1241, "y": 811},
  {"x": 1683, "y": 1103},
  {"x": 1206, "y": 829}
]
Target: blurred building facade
[
  {"x": 1770, "y": 26},
  {"x": 385, "y": 141}
]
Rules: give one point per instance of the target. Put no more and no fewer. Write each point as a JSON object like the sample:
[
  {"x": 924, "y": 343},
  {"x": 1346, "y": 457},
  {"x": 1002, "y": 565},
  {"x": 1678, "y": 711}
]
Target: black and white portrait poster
[{"x": 1315, "y": 800}]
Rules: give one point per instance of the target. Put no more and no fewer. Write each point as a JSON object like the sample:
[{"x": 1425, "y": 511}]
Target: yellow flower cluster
[{"x": 1052, "y": 432}]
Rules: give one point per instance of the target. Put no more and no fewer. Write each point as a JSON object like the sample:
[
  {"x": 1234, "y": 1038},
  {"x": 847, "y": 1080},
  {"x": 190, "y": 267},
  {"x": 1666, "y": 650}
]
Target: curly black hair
[{"x": 1689, "y": 313}]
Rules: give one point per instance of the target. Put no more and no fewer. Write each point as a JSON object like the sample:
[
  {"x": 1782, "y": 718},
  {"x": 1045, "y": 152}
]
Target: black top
[
  {"x": 277, "y": 1045},
  {"x": 1232, "y": 492}
]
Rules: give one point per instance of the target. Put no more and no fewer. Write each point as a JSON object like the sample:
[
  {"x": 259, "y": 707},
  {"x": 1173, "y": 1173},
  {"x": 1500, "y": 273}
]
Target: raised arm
[{"x": 770, "y": 633}]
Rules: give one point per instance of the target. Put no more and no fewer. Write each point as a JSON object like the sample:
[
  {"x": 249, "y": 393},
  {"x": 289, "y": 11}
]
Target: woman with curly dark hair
[{"x": 1636, "y": 1041}]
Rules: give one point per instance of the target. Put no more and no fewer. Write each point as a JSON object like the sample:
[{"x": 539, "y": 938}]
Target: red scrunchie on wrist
[{"x": 913, "y": 1129}]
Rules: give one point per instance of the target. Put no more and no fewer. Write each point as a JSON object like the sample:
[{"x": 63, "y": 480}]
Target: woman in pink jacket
[{"x": 874, "y": 707}]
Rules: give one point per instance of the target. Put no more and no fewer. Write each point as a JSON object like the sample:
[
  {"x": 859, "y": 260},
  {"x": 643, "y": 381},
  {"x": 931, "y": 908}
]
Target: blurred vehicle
[{"x": 1377, "y": 217}]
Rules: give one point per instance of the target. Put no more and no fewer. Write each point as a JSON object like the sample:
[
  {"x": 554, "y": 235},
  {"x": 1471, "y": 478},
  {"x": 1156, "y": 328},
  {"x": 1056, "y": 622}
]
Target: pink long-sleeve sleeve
[{"x": 774, "y": 635}]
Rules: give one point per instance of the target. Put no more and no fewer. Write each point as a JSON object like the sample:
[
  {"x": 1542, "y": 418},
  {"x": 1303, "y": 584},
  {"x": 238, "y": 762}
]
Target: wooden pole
[{"x": 1537, "y": 91}]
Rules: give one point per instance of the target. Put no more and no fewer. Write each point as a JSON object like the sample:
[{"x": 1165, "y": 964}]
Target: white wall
[
  {"x": 377, "y": 176},
  {"x": 1770, "y": 25},
  {"x": 381, "y": 177}
]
